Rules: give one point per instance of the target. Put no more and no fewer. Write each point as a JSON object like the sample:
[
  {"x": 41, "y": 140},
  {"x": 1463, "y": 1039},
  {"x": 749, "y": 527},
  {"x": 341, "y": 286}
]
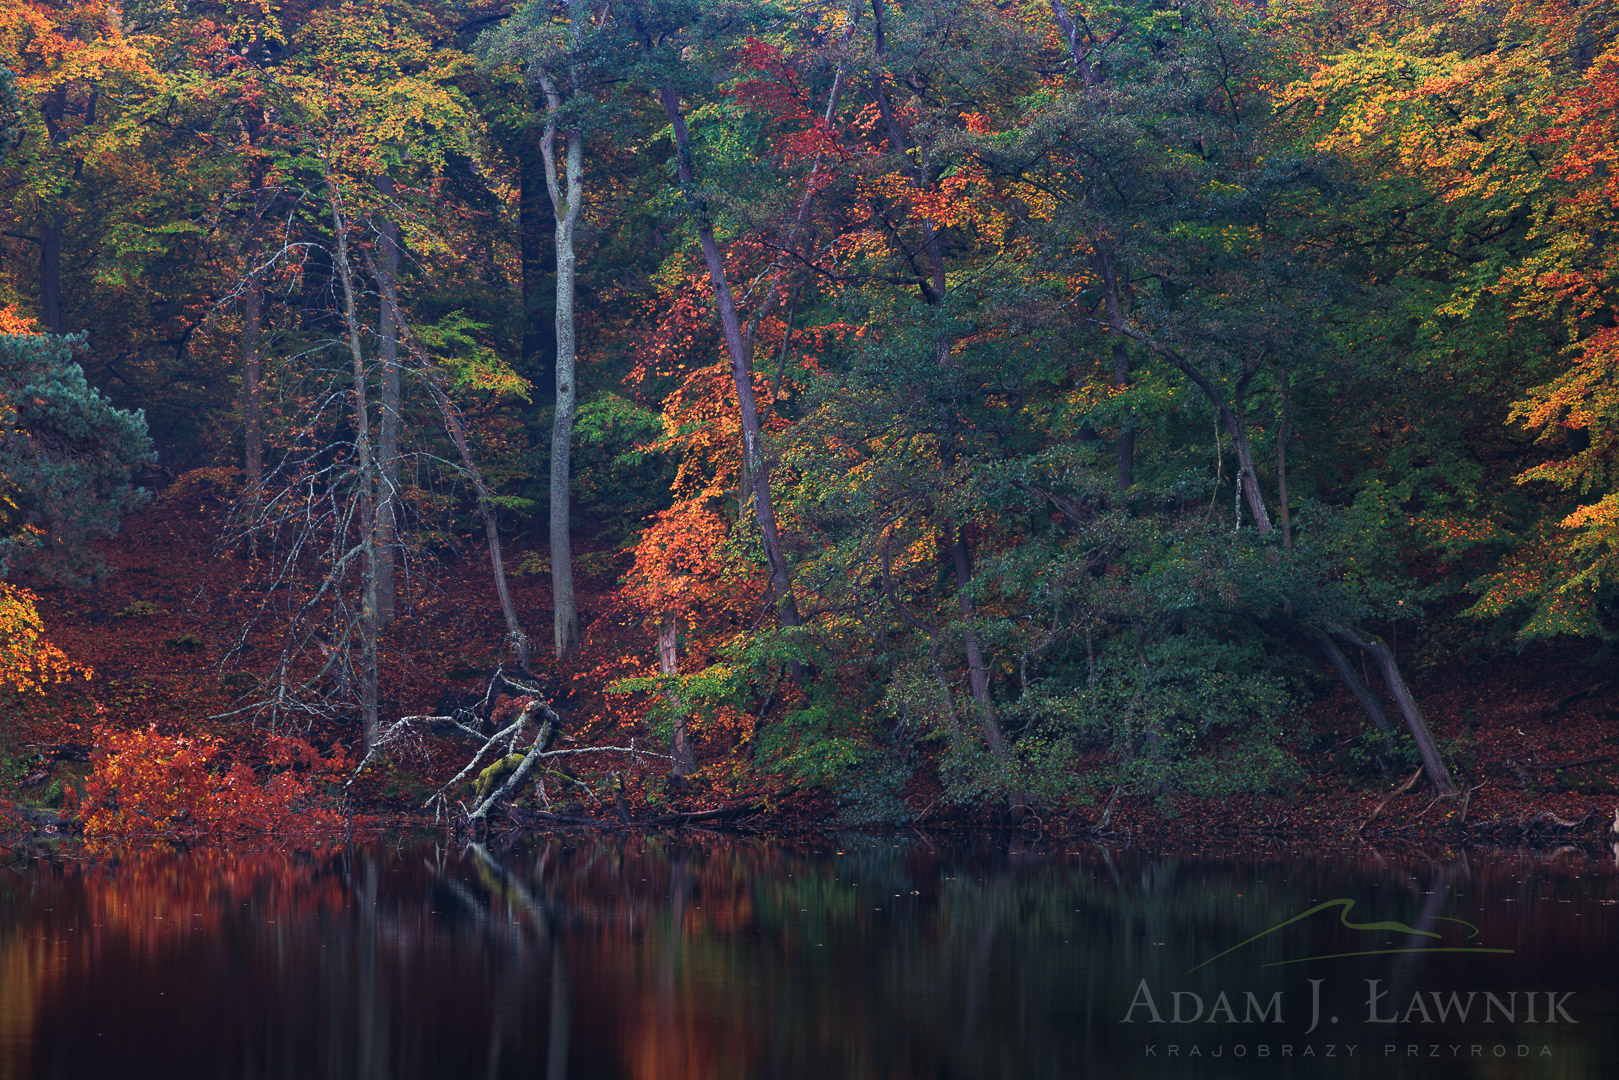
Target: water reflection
[{"x": 701, "y": 956}]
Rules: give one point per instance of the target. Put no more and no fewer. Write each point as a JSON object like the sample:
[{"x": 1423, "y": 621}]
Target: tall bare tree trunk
[
  {"x": 536, "y": 248},
  {"x": 253, "y": 324},
  {"x": 491, "y": 526},
  {"x": 388, "y": 435},
  {"x": 741, "y": 369},
  {"x": 1115, "y": 297},
  {"x": 565, "y": 203},
  {"x": 366, "y": 479}
]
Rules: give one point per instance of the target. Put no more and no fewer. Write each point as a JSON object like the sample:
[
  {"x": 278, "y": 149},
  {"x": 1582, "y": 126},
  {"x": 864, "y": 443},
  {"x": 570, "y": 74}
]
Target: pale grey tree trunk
[
  {"x": 365, "y": 476},
  {"x": 684, "y": 760},
  {"x": 566, "y": 198},
  {"x": 388, "y": 433}
]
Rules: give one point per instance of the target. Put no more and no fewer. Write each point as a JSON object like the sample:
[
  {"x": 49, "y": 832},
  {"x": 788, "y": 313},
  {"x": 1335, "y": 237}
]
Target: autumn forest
[{"x": 881, "y": 412}]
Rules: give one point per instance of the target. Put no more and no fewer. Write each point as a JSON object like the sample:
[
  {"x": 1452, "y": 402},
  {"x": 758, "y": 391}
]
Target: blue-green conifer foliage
[{"x": 66, "y": 456}]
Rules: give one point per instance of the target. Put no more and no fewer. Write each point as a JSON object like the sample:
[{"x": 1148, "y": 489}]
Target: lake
[{"x": 698, "y": 955}]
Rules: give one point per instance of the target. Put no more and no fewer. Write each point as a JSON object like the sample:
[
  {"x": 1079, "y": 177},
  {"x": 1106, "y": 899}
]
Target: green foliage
[
  {"x": 65, "y": 460},
  {"x": 11, "y": 131},
  {"x": 616, "y": 480}
]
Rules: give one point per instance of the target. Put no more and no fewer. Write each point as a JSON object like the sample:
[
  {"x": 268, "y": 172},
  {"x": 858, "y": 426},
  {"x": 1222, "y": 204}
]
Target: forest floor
[{"x": 1534, "y": 736}]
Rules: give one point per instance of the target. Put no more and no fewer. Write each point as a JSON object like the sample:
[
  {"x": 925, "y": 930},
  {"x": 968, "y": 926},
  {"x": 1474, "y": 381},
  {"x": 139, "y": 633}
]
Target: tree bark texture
[
  {"x": 458, "y": 436},
  {"x": 684, "y": 761},
  {"x": 566, "y": 198},
  {"x": 389, "y": 427},
  {"x": 1361, "y": 692},
  {"x": 536, "y": 245}
]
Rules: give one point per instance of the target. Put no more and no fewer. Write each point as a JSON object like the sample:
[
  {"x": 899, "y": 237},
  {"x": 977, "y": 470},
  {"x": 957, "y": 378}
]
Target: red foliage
[
  {"x": 145, "y": 788},
  {"x": 800, "y": 134}
]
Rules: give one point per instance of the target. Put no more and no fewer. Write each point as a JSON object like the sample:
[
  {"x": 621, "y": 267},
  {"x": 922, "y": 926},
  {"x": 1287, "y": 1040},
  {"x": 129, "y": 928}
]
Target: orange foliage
[
  {"x": 145, "y": 788},
  {"x": 13, "y": 323},
  {"x": 681, "y": 569},
  {"x": 27, "y": 661}
]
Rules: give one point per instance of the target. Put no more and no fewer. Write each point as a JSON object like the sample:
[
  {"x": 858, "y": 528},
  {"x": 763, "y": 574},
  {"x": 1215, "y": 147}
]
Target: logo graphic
[{"x": 1344, "y": 906}]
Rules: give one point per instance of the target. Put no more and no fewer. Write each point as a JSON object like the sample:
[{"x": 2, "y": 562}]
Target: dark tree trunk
[
  {"x": 1117, "y": 302},
  {"x": 977, "y": 670},
  {"x": 1362, "y": 694},
  {"x": 1433, "y": 763},
  {"x": 53, "y": 226},
  {"x": 1281, "y": 464},
  {"x": 764, "y": 506},
  {"x": 365, "y": 480},
  {"x": 50, "y": 273}
]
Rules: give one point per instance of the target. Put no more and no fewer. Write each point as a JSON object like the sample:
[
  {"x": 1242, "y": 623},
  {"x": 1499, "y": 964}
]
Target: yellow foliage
[{"x": 28, "y": 662}]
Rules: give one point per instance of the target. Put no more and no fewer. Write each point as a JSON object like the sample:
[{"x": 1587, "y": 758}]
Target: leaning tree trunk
[
  {"x": 1433, "y": 763},
  {"x": 1359, "y": 690},
  {"x": 388, "y": 435},
  {"x": 565, "y": 203},
  {"x": 366, "y": 481},
  {"x": 764, "y": 507}
]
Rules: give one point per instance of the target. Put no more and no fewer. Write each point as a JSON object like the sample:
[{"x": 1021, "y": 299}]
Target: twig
[{"x": 1409, "y": 783}]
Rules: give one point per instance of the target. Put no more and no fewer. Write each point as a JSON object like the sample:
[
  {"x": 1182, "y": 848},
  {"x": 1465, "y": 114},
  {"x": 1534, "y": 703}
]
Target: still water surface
[{"x": 710, "y": 957}]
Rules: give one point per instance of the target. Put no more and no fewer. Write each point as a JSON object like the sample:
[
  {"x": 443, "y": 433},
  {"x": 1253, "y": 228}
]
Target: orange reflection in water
[{"x": 661, "y": 959}]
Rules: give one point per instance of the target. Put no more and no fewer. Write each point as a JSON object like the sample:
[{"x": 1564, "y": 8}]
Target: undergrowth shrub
[{"x": 148, "y": 788}]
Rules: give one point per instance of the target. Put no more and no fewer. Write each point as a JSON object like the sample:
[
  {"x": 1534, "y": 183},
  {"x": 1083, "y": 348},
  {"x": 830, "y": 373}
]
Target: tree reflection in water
[{"x": 701, "y": 956}]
